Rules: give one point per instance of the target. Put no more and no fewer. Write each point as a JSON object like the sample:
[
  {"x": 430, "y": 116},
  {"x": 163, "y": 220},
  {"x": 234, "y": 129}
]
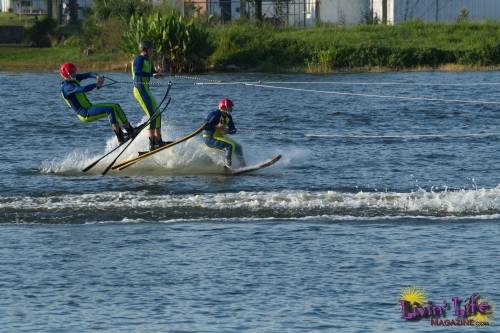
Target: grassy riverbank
[
  {"x": 15, "y": 19},
  {"x": 246, "y": 47},
  {"x": 48, "y": 59},
  {"x": 324, "y": 49}
]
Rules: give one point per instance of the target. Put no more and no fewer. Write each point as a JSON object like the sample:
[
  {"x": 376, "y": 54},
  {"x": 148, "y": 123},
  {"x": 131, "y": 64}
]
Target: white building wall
[
  {"x": 378, "y": 10},
  {"x": 447, "y": 10},
  {"x": 344, "y": 11},
  {"x": 299, "y": 12},
  {"x": 437, "y": 10},
  {"x": 214, "y": 7},
  {"x": 6, "y": 4},
  {"x": 35, "y": 5}
]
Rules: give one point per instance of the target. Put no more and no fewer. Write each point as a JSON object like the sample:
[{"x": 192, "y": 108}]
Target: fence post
[{"x": 258, "y": 10}]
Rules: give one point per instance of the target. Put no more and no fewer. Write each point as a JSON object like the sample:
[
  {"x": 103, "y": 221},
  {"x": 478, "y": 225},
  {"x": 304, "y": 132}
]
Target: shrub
[
  {"x": 39, "y": 35},
  {"x": 102, "y": 35},
  {"x": 122, "y": 9},
  {"x": 182, "y": 45}
]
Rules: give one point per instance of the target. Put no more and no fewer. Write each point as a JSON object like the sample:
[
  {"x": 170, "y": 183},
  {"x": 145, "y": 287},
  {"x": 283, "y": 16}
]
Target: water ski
[
  {"x": 147, "y": 151},
  {"x": 247, "y": 169},
  {"x": 146, "y": 154},
  {"x": 129, "y": 139}
]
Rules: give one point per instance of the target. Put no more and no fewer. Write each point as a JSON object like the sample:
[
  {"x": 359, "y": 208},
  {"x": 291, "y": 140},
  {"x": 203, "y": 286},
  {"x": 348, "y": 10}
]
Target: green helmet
[{"x": 146, "y": 44}]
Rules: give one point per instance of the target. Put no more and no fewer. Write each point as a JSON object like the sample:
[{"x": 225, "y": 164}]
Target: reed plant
[{"x": 180, "y": 43}]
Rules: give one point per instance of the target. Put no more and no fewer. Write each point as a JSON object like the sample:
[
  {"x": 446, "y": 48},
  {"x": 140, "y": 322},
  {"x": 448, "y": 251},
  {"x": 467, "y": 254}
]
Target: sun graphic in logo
[
  {"x": 482, "y": 317},
  {"x": 413, "y": 295}
]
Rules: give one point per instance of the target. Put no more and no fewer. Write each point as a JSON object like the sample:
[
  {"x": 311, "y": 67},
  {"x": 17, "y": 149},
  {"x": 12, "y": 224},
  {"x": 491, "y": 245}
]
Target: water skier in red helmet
[
  {"x": 219, "y": 124},
  {"x": 75, "y": 96}
]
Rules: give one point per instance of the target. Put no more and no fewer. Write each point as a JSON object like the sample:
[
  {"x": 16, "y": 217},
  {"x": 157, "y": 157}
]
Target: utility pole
[
  {"x": 73, "y": 11},
  {"x": 384, "y": 11},
  {"x": 258, "y": 10},
  {"x": 437, "y": 10},
  {"x": 305, "y": 12},
  {"x": 49, "y": 9},
  {"x": 318, "y": 12},
  {"x": 243, "y": 9}
]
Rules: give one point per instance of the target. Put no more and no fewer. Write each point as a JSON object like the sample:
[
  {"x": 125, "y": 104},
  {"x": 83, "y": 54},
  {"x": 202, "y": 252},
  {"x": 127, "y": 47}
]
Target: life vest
[
  {"x": 147, "y": 67},
  {"x": 224, "y": 120},
  {"x": 77, "y": 100}
]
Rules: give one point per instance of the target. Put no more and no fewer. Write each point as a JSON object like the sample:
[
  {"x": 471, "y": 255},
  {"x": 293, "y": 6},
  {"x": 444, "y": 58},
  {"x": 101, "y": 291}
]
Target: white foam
[
  {"x": 479, "y": 203},
  {"x": 318, "y": 218},
  {"x": 190, "y": 157}
]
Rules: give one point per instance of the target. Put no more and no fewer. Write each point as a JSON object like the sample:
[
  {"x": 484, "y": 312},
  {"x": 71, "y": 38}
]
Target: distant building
[
  {"x": 58, "y": 8},
  {"x": 397, "y": 11},
  {"x": 309, "y": 12},
  {"x": 279, "y": 12},
  {"x": 295, "y": 12},
  {"x": 24, "y": 6},
  {"x": 344, "y": 11},
  {"x": 227, "y": 10},
  {"x": 282, "y": 12}
]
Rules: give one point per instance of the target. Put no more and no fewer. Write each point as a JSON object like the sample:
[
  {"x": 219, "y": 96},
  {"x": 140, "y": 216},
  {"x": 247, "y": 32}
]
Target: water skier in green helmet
[{"x": 142, "y": 71}]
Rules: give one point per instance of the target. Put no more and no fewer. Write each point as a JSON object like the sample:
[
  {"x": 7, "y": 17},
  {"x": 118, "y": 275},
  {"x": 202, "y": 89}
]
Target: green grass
[
  {"x": 412, "y": 45},
  {"x": 24, "y": 58},
  {"x": 14, "y": 19},
  {"x": 327, "y": 48}
]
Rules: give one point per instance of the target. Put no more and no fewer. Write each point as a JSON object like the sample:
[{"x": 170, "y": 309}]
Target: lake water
[{"x": 373, "y": 195}]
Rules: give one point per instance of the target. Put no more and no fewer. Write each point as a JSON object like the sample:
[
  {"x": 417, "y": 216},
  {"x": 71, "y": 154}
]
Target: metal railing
[
  {"x": 39, "y": 7},
  {"x": 277, "y": 12}
]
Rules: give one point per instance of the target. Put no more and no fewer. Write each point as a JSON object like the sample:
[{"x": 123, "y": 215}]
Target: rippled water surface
[{"x": 373, "y": 194}]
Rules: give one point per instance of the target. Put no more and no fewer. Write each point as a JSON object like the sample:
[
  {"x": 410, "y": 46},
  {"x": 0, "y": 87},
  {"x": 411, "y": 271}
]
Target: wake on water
[
  {"x": 188, "y": 158},
  {"x": 192, "y": 158},
  {"x": 334, "y": 205}
]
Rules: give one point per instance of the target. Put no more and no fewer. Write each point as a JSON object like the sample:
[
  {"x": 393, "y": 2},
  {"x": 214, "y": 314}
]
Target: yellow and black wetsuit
[
  {"x": 216, "y": 138},
  {"x": 74, "y": 95},
  {"x": 142, "y": 71}
]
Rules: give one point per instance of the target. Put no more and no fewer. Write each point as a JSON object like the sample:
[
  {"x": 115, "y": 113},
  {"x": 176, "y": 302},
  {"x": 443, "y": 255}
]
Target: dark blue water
[{"x": 372, "y": 195}]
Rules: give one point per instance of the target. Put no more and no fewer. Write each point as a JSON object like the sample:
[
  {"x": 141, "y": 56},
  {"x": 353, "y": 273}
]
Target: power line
[
  {"x": 430, "y": 99},
  {"x": 351, "y": 83}
]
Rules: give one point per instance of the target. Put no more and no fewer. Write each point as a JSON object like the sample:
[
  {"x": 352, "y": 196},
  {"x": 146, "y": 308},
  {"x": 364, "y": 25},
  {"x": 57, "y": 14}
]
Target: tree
[
  {"x": 73, "y": 11},
  {"x": 123, "y": 9}
]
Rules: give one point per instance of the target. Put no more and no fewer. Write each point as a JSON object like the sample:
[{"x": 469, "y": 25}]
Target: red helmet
[
  {"x": 67, "y": 70},
  {"x": 225, "y": 103}
]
